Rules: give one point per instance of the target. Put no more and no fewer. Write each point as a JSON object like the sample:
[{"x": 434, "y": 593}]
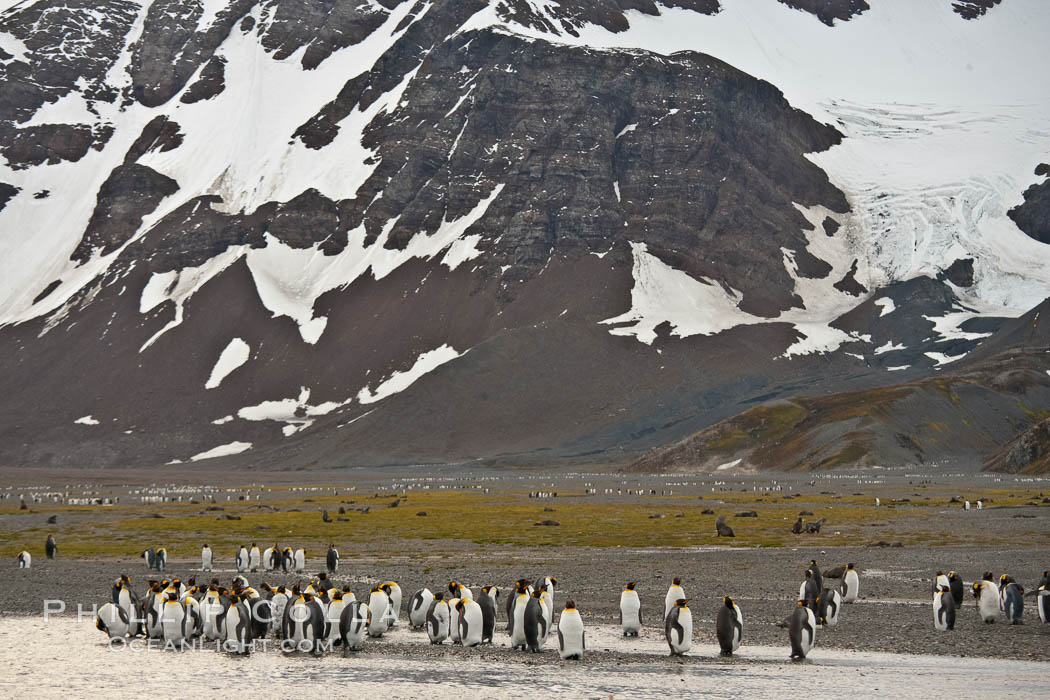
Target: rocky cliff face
[{"x": 317, "y": 233}]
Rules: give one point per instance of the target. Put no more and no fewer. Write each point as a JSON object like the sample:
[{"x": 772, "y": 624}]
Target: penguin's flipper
[{"x": 561, "y": 641}]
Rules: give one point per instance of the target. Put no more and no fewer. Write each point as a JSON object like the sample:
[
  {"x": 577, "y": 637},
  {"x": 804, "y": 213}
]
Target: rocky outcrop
[
  {"x": 1033, "y": 216},
  {"x": 973, "y": 9},
  {"x": 1028, "y": 453},
  {"x": 830, "y": 11}
]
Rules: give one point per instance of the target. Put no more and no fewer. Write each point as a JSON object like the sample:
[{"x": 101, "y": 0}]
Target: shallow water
[{"x": 63, "y": 657}]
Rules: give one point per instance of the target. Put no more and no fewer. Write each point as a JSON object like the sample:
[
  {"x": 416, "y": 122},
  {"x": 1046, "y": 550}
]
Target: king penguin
[
  {"x": 987, "y": 600},
  {"x": 802, "y": 631},
  {"x": 817, "y": 577},
  {"x": 300, "y": 560},
  {"x": 332, "y": 559},
  {"x": 241, "y": 560},
  {"x": 353, "y": 626},
  {"x": 828, "y": 606},
  {"x": 630, "y": 611},
  {"x": 678, "y": 628},
  {"x": 50, "y": 547},
  {"x": 205, "y": 557},
  {"x": 25, "y": 560},
  {"x": 471, "y": 622},
  {"x": 729, "y": 626},
  {"x": 955, "y": 585},
  {"x": 534, "y": 622},
  {"x": 674, "y": 592},
  {"x": 378, "y": 602},
  {"x": 571, "y": 637},
  {"x": 850, "y": 584},
  {"x": 173, "y": 619},
  {"x": 943, "y": 609},
  {"x": 517, "y": 616},
  {"x": 437, "y": 619},
  {"x": 112, "y": 620},
  {"x": 393, "y": 592},
  {"x": 488, "y": 600},
  {"x": 1043, "y": 599},
  {"x": 254, "y": 558},
  {"x": 1013, "y": 604},
  {"x": 418, "y": 607}
]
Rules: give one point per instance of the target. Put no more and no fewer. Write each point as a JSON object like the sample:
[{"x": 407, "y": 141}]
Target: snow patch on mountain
[
  {"x": 296, "y": 413},
  {"x": 290, "y": 280},
  {"x": 230, "y": 448},
  {"x": 663, "y": 294},
  {"x": 888, "y": 307},
  {"x": 233, "y": 356},
  {"x": 947, "y": 326},
  {"x": 177, "y": 286},
  {"x": 399, "y": 381}
]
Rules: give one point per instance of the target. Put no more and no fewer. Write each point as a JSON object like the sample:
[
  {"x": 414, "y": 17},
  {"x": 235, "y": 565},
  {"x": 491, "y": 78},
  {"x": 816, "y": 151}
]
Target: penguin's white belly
[
  {"x": 453, "y": 621},
  {"x": 300, "y": 560},
  {"x": 676, "y": 593}
]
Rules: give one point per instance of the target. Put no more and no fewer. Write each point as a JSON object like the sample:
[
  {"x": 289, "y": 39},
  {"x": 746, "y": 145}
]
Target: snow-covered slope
[{"x": 352, "y": 204}]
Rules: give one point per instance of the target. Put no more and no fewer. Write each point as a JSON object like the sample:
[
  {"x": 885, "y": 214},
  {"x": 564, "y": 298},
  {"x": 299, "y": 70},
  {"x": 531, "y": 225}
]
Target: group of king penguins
[
  {"x": 994, "y": 598},
  {"x": 322, "y": 615},
  {"x": 819, "y": 605},
  {"x": 250, "y": 559}
]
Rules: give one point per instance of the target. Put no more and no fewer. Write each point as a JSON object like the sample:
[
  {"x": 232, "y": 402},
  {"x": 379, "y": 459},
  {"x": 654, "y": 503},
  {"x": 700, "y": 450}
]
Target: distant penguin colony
[{"x": 318, "y": 615}]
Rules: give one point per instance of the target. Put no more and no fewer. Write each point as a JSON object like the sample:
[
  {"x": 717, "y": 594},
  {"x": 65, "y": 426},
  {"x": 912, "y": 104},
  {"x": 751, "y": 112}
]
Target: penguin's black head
[
  {"x": 630, "y": 586},
  {"x": 205, "y": 545},
  {"x": 850, "y": 566},
  {"x": 453, "y": 586},
  {"x": 125, "y": 578},
  {"x": 952, "y": 576},
  {"x": 940, "y": 573},
  {"x": 728, "y": 601},
  {"x": 346, "y": 589},
  {"x": 988, "y": 576},
  {"x": 459, "y": 605},
  {"x": 554, "y": 580},
  {"x": 681, "y": 603},
  {"x": 676, "y": 581},
  {"x": 215, "y": 582},
  {"x": 439, "y": 596},
  {"x": 323, "y": 576},
  {"x": 338, "y": 595},
  {"x": 812, "y": 562},
  {"x": 570, "y": 605},
  {"x": 809, "y": 573}
]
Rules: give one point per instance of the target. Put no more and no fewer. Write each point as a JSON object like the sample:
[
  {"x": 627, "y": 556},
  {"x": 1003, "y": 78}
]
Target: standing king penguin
[
  {"x": 943, "y": 610},
  {"x": 678, "y": 628},
  {"x": 1043, "y": 599},
  {"x": 987, "y": 600},
  {"x": 438, "y": 619},
  {"x": 729, "y": 626},
  {"x": 517, "y": 616},
  {"x": 630, "y": 611},
  {"x": 332, "y": 559},
  {"x": 254, "y": 558},
  {"x": 674, "y": 593},
  {"x": 206, "y": 557},
  {"x": 241, "y": 560},
  {"x": 353, "y": 626},
  {"x": 418, "y": 607},
  {"x": 471, "y": 622},
  {"x": 50, "y": 547},
  {"x": 489, "y": 602},
  {"x": 850, "y": 584},
  {"x": 571, "y": 637},
  {"x": 1013, "y": 604},
  {"x": 25, "y": 560},
  {"x": 802, "y": 631}
]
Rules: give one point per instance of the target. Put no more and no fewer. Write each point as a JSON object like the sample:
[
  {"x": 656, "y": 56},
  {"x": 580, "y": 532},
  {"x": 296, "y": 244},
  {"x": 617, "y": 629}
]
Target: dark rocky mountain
[{"x": 294, "y": 234}]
